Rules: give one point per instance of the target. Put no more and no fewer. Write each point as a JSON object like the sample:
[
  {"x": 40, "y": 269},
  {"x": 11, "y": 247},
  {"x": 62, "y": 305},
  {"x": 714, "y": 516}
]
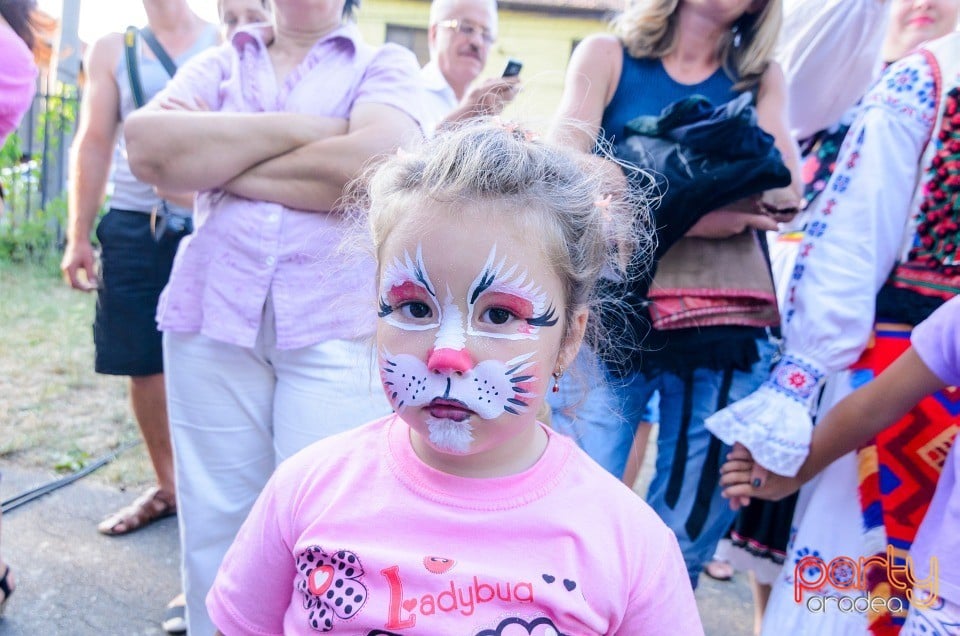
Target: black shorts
[{"x": 134, "y": 270}]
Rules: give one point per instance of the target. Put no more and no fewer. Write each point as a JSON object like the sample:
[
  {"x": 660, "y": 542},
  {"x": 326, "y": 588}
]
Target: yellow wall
[{"x": 542, "y": 42}]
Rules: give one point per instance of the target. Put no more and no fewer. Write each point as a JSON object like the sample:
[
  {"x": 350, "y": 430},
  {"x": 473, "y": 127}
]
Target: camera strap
[{"x": 131, "y": 50}]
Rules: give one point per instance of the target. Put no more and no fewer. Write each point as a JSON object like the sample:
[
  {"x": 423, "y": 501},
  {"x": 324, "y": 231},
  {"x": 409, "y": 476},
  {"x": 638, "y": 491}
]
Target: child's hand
[{"x": 742, "y": 478}]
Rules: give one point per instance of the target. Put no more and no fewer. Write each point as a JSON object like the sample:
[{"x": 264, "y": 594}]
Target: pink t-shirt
[
  {"x": 356, "y": 535},
  {"x": 18, "y": 75},
  {"x": 243, "y": 249}
]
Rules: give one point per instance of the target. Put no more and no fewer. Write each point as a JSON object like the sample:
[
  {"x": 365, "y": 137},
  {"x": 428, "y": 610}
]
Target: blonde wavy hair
[
  {"x": 648, "y": 29},
  {"x": 587, "y": 224}
]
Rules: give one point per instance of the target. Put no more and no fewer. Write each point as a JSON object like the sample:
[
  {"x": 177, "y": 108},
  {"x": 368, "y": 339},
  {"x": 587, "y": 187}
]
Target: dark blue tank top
[{"x": 645, "y": 88}]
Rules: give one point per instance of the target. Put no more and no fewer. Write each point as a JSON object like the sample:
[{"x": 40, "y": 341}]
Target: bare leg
[
  {"x": 719, "y": 567},
  {"x": 149, "y": 399},
  {"x": 761, "y": 594},
  {"x": 637, "y": 451}
]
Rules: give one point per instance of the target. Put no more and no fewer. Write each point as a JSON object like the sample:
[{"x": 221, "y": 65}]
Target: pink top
[
  {"x": 356, "y": 535},
  {"x": 242, "y": 249},
  {"x": 937, "y": 342},
  {"x": 18, "y": 76}
]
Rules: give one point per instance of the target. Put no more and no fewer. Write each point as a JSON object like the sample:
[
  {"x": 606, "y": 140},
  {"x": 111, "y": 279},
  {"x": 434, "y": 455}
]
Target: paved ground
[{"x": 72, "y": 581}]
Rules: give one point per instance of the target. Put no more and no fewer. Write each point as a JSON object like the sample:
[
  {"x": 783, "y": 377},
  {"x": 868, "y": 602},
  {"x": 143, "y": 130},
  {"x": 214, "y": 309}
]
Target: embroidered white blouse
[{"x": 859, "y": 227}]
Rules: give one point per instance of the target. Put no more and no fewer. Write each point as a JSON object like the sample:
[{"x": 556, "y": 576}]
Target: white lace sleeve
[
  {"x": 830, "y": 54},
  {"x": 851, "y": 244}
]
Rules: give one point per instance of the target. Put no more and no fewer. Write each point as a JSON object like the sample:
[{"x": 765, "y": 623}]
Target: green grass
[{"x": 52, "y": 405}]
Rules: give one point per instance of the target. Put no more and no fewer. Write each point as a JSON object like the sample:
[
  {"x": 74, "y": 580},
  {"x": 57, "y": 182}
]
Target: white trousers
[{"x": 235, "y": 413}]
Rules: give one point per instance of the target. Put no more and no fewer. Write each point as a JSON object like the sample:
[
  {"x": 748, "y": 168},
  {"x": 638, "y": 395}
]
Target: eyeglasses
[{"x": 468, "y": 29}]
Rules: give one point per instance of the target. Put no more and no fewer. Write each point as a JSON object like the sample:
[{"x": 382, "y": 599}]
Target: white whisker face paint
[
  {"x": 507, "y": 291},
  {"x": 502, "y": 302},
  {"x": 490, "y": 389},
  {"x": 449, "y": 435}
]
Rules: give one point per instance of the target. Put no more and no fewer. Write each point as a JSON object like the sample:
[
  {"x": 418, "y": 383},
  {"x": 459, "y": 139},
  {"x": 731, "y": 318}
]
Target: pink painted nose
[{"x": 449, "y": 361}]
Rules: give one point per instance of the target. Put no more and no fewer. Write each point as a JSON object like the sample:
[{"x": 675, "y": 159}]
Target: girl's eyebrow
[
  {"x": 514, "y": 281},
  {"x": 422, "y": 278},
  {"x": 486, "y": 279}
]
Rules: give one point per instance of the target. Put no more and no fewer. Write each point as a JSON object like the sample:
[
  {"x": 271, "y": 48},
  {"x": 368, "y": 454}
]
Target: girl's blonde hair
[
  {"x": 648, "y": 28},
  {"x": 574, "y": 202}
]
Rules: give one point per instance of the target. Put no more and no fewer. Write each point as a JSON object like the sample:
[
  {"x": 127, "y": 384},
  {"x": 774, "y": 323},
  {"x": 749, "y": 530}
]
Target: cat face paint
[
  {"x": 507, "y": 295},
  {"x": 469, "y": 332},
  {"x": 405, "y": 287},
  {"x": 488, "y": 389}
]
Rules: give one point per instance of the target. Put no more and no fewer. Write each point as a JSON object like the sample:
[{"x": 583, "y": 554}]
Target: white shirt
[
  {"x": 439, "y": 98},
  {"x": 857, "y": 230}
]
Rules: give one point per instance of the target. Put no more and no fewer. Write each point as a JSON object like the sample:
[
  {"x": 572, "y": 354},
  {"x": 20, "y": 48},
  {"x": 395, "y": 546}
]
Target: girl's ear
[{"x": 574, "y": 337}]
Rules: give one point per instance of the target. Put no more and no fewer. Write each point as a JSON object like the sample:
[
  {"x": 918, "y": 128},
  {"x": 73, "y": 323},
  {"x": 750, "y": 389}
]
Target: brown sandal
[{"x": 151, "y": 506}]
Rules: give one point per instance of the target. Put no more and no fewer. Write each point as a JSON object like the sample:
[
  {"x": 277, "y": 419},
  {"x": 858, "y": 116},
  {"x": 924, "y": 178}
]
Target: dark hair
[
  {"x": 19, "y": 15},
  {"x": 349, "y": 7}
]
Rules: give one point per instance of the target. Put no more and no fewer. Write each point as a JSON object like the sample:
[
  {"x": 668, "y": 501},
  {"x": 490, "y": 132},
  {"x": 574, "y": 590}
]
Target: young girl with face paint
[{"x": 461, "y": 513}]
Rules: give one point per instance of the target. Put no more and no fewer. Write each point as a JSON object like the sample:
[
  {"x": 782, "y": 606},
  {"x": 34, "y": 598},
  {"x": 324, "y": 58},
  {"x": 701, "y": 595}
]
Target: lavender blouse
[{"x": 244, "y": 250}]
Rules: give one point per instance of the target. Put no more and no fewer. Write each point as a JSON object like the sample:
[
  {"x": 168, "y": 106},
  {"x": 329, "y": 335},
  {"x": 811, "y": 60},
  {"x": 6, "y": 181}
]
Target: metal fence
[{"x": 34, "y": 162}]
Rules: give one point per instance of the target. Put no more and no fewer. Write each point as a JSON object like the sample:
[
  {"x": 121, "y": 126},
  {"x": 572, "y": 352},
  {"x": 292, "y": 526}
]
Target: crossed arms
[{"x": 300, "y": 161}]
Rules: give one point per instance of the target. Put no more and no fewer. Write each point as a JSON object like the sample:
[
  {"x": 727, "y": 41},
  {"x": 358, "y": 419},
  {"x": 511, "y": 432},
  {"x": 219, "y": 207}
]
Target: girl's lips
[{"x": 443, "y": 409}]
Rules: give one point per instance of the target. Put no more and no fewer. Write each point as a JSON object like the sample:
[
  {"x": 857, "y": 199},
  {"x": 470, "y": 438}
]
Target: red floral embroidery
[{"x": 797, "y": 379}]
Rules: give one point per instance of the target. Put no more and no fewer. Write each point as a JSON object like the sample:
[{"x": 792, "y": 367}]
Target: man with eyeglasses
[{"x": 460, "y": 35}]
